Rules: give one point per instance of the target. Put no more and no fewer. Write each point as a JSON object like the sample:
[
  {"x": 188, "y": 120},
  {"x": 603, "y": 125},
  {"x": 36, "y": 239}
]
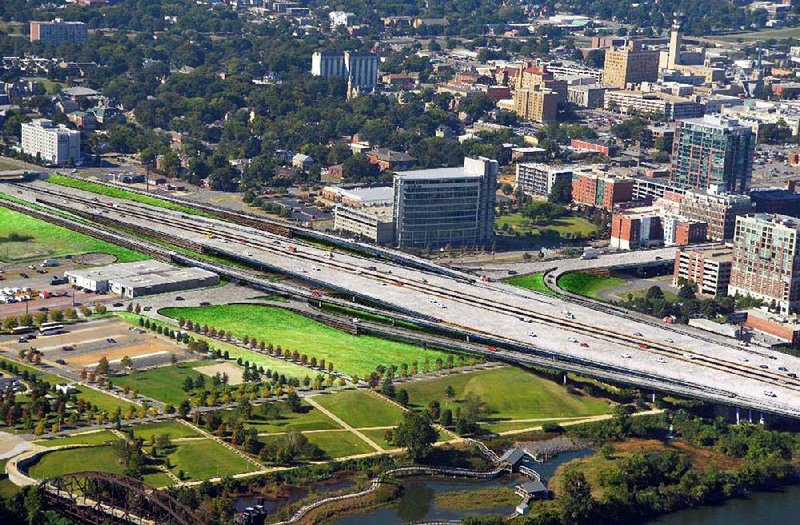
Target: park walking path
[
  {"x": 310, "y": 400},
  {"x": 222, "y": 442}
]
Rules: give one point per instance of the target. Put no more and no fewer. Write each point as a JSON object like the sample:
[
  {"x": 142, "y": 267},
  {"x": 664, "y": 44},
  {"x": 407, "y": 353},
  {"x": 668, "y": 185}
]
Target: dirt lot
[
  {"x": 103, "y": 337},
  {"x": 234, "y": 372}
]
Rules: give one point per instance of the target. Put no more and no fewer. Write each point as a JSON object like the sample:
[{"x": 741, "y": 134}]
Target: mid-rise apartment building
[
  {"x": 766, "y": 260},
  {"x": 536, "y": 104},
  {"x": 57, "y": 145},
  {"x": 538, "y": 179},
  {"x": 446, "y": 206},
  {"x": 58, "y": 31},
  {"x": 587, "y": 95},
  {"x": 636, "y": 228},
  {"x": 712, "y": 153},
  {"x": 631, "y": 64},
  {"x": 535, "y": 77},
  {"x": 360, "y": 70},
  {"x": 600, "y": 189},
  {"x": 719, "y": 212},
  {"x": 708, "y": 269}
]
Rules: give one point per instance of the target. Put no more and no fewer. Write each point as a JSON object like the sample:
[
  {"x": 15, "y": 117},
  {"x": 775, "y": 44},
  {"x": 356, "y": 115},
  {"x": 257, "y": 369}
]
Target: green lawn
[
  {"x": 102, "y": 401},
  {"x": 60, "y": 462},
  {"x": 360, "y": 409},
  {"x": 339, "y": 444},
  {"x": 7, "y": 488},
  {"x": 586, "y": 284},
  {"x": 511, "y": 393},
  {"x": 275, "y": 365},
  {"x": 350, "y": 354},
  {"x": 566, "y": 227},
  {"x": 41, "y": 240},
  {"x": 163, "y": 383},
  {"x": 206, "y": 459},
  {"x": 533, "y": 282},
  {"x": 119, "y": 193},
  {"x": 93, "y": 438},
  {"x": 171, "y": 428},
  {"x": 379, "y": 437},
  {"x": 310, "y": 419}
]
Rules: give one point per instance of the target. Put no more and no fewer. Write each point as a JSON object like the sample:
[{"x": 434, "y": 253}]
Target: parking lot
[
  {"x": 84, "y": 344},
  {"x": 34, "y": 281}
]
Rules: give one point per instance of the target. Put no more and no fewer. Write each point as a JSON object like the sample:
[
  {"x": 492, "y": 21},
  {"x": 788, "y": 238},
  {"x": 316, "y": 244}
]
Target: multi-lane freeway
[{"x": 611, "y": 343}]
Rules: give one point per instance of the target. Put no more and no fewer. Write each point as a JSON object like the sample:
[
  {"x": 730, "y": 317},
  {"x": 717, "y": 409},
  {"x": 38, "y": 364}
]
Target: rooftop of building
[
  {"x": 437, "y": 173},
  {"x": 718, "y": 252},
  {"x": 389, "y": 155},
  {"x": 139, "y": 272},
  {"x": 366, "y": 195},
  {"x": 715, "y": 122},
  {"x": 774, "y": 218},
  {"x": 384, "y": 213}
]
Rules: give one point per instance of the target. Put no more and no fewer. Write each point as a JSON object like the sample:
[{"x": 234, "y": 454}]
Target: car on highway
[
  {"x": 147, "y": 308},
  {"x": 625, "y": 356},
  {"x": 637, "y": 334},
  {"x": 61, "y": 362},
  {"x": 68, "y": 348},
  {"x": 22, "y": 340},
  {"x": 526, "y": 319},
  {"x": 660, "y": 359},
  {"x": 669, "y": 340},
  {"x": 643, "y": 346},
  {"x": 110, "y": 340},
  {"x": 769, "y": 393},
  {"x": 531, "y": 334},
  {"x": 205, "y": 303},
  {"x": 572, "y": 340},
  {"x": 783, "y": 369},
  {"x": 792, "y": 375},
  {"x": 178, "y": 298},
  {"x": 585, "y": 345},
  {"x": 117, "y": 305},
  {"x": 764, "y": 367},
  {"x": 689, "y": 356}
]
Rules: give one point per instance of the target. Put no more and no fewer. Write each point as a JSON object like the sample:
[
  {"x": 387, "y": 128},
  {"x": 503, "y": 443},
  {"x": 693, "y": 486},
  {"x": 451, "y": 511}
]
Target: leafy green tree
[
  {"x": 416, "y": 434},
  {"x": 576, "y": 503}
]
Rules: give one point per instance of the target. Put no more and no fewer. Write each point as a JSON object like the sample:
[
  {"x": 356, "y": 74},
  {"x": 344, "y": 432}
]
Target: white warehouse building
[{"x": 140, "y": 278}]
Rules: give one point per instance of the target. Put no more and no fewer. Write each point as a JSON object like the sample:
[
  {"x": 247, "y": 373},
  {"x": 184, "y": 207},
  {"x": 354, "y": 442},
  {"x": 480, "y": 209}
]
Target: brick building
[
  {"x": 600, "y": 189},
  {"x": 709, "y": 269}
]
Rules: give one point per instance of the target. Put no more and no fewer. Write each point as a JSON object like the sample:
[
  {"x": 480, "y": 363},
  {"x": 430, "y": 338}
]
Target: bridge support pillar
[
  {"x": 737, "y": 416},
  {"x": 761, "y": 420}
]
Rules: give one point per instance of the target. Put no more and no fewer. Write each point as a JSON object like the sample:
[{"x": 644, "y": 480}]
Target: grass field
[
  {"x": 338, "y": 444},
  {"x": 60, "y": 462},
  {"x": 206, "y": 459},
  {"x": 276, "y": 365},
  {"x": 311, "y": 419},
  {"x": 566, "y": 227},
  {"x": 172, "y": 428},
  {"x": 44, "y": 240},
  {"x": 786, "y": 32},
  {"x": 533, "y": 282},
  {"x": 586, "y": 284},
  {"x": 92, "y": 438},
  {"x": 379, "y": 437},
  {"x": 163, "y": 383},
  {"x": 350, "y": 354},
  {"x": 102, "y": 401},
  {"x": 119, "y": 193},
  {"x": 7, "y": 488},
  {"x": 511, "y": 393},
  {"x": 361, "y": 409}
]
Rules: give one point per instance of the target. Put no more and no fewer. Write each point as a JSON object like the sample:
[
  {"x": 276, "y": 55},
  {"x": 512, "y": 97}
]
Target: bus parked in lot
[{"x": 51, "y": 329}]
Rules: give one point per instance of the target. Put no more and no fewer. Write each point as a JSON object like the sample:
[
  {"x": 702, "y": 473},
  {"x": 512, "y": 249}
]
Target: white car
[
  {"x": 689, "y": 356},
  {"x": 669, "y": 340},
  {"x": 769, "y": 393},
  {"x": 572, "y": 340},
  {"x": 637, "y": 334},
  {"x": 626, "y": 356},
  {"x": 660, "y": 359},
  {"x": 531, "y": 334}
]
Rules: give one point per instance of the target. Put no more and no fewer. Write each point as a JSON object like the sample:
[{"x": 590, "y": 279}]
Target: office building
[
  {"x": 630, "y": 65},
  {"x": 680, "y": 231},
  {"x": 140, "y": 278},
  {"x": 587, "y": 95},
  {"x": 359, "y": 197},
  {"x": 536, "y": 104},
  {"x": 718, "y": 211},
  {"x": 538, "y": 179},
  {"x": 446, "y": 206},
  {"x": 58, "y": 31},
  {"x": 670, "y": 107},
  {"x": 360, "y": 70},
  {"x": 636, "y": 228},
  {"x": 712, "y": 153},
  {"x": 56, "y": 145},
  {"x": 371, "y": 223},
  {"x": 708, "y": 269},
  {"x": 600, "y": 189},
  {"x": 766, "y": 260}
]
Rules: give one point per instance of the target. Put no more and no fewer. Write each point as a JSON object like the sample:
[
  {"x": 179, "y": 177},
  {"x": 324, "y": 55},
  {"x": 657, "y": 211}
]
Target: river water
[
  {"x": 762, "y": 508},
  {"x": 418, "y": 500}
]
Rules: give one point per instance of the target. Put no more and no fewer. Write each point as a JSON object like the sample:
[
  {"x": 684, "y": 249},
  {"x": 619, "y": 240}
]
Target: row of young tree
[{"x": 54, "y": 315}]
